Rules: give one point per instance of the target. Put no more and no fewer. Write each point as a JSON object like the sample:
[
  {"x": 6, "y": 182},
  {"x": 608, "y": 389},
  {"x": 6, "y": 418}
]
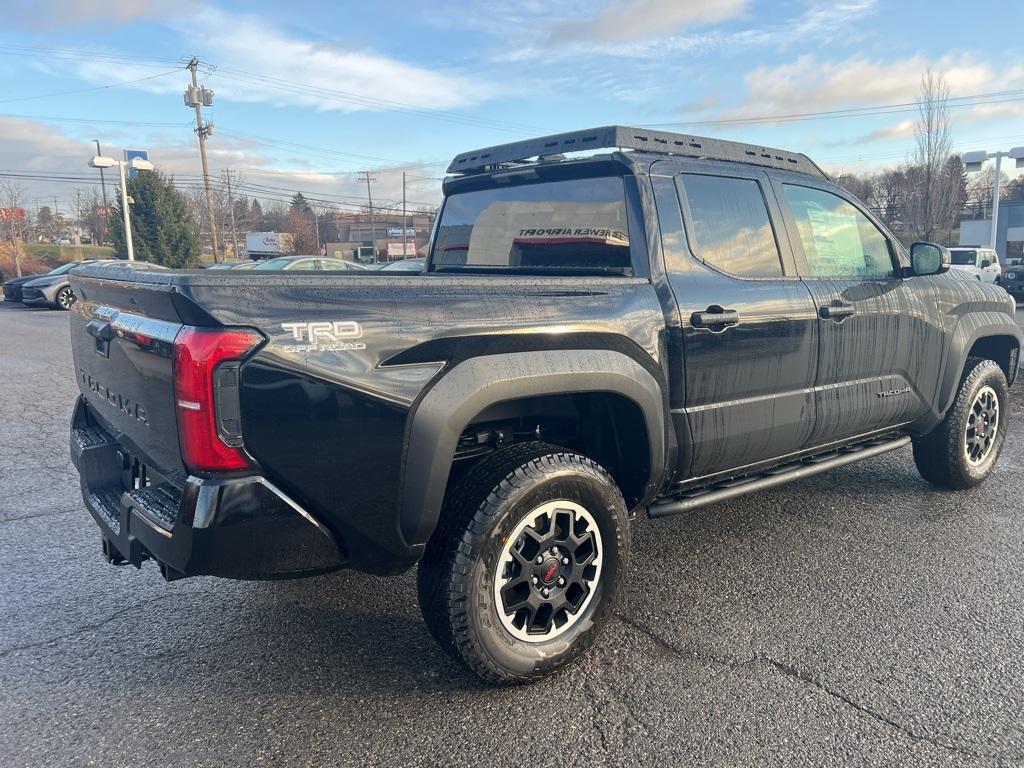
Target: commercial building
[{"x": 1009, "y": 230}]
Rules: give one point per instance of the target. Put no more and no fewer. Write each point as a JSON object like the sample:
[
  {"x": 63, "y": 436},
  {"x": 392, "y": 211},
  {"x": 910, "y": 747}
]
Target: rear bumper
[{"x": 241, "y": 528}]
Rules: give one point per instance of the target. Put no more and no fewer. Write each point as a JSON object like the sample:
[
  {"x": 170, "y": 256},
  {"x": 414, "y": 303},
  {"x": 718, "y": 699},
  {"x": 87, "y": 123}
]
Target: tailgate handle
[{"x": 99, "y": 330}]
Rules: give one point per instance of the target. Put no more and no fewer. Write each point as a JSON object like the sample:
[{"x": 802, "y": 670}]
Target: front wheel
[
  {"x": 65, "y": 298},
  {"x": 961, "y": 452},
  {"x": 526, "y": 564}
]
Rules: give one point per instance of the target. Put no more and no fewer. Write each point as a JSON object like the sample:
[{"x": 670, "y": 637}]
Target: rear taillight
[{"x": 206, "y": 396}]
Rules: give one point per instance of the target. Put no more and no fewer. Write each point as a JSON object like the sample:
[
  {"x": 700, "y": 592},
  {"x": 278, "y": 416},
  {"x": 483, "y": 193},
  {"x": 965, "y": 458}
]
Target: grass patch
[{"x": 55, "y": 255}]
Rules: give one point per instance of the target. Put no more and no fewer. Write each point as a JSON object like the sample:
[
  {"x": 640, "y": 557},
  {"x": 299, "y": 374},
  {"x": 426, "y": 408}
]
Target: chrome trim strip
[{"x": 206, "y": 500}]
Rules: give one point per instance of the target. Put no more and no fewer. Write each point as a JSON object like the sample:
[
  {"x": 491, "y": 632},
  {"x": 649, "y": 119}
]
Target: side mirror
[{"x": 928, "y": 259}]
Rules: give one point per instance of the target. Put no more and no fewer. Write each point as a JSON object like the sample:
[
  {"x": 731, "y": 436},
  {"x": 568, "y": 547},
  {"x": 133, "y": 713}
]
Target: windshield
[
  {"x": 65, "y": 267},
  {"x": 406, "y": 265},
  {"x": 557, "y": 227},
  {"x": 964, "y": 258},
  {"x": 273, "y": 264}
]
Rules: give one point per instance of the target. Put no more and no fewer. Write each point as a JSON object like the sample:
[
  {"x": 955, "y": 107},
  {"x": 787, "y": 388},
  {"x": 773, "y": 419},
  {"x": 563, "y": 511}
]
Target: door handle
[
  {"x": 836, "y": 312},
  {"x": 715, "y": 316}
]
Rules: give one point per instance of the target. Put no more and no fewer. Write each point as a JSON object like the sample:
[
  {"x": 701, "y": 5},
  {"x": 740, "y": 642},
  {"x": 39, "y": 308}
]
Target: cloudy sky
[{"x": 310, "y": 92}]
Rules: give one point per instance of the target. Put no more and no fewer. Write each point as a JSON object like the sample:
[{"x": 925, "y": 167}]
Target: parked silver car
[{"x": 53, "y": 289}]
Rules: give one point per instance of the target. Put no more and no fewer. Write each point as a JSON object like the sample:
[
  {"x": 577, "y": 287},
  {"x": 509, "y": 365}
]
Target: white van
[{"x": 983, "y": 263}]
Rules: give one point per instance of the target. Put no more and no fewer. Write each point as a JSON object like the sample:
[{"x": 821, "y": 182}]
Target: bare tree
[
  {"x": 928, "y": 202},
  {"x": 12, "y": 199},
  {"x": 862, "y": 187},
  {"x": 889, "y": 199}
]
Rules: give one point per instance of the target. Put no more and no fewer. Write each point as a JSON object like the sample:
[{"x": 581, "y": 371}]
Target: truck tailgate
[{"x": 122, "y": 338}]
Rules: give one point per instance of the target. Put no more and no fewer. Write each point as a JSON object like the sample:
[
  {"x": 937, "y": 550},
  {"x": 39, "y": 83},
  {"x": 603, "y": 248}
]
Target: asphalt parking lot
[{"x": 859, "y": 617}]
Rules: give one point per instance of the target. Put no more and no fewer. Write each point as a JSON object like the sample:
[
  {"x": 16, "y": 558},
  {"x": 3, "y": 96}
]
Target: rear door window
[
  {"x": 731, "y": 228},
  {"x": 579, "y": 225}
]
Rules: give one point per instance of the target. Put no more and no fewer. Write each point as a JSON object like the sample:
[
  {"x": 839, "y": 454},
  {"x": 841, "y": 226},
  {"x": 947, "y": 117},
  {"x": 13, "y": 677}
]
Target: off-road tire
[
  {"x": 940, "y": 455},
  {"x": 456, "y": 578}
]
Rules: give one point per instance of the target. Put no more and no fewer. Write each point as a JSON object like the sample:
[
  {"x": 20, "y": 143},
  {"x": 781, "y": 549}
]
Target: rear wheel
[
  {"x": 526, "y": 564},
  {"x": 962, "y": 450},
  {"x": 65, "y": 298}
]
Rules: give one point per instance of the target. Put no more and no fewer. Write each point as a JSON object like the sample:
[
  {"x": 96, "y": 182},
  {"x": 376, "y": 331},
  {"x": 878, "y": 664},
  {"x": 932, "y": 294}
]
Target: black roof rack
[{"x": 624, "y": 137}]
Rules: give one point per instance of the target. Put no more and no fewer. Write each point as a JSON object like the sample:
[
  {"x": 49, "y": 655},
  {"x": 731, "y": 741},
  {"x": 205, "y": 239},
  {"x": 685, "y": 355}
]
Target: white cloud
[
  {"x": 33, "y": 147},
  {"x": 53, "y": 13},
  {"x": 809, "y": 84},
  {"x": 900, "y": 130},
  {"x": 819, "y": 22},
  {"x": 643, "y": 19},
  {"x": 245, "y": 48}
]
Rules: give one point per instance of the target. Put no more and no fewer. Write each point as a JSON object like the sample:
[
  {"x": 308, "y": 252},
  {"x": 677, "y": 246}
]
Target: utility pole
[
  {"x": 316, "y": 226},
  {"x": 369, "y": 177},
  {"x": 231, "y": 207},
  {"x": 197, "y": 97},
  {"x": 103, "y": 184},
  {"x": 405, "y": 223}
]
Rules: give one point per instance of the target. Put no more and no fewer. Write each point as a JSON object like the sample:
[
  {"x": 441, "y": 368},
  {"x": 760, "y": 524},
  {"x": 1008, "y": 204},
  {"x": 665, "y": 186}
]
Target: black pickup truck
[{"x": 662, "y": 326}]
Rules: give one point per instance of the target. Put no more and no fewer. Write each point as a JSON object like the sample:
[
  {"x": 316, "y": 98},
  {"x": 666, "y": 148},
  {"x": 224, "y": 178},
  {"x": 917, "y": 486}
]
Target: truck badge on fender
[
  {"x": 325, "y": 336},
  {"x": 894, "y": 392}
]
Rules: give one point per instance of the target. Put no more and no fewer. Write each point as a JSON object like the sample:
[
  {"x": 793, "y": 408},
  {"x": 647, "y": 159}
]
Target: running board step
[{"x": 770, "y": 478}]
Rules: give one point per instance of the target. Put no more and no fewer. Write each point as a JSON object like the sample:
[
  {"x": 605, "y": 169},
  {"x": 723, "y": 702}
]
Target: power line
[
  {"x": 79, "y": 54},
  {"x": 88, "y": 90},
  {"x": 345, "y": 97},
  {"x": 91, "y": 120},
  {"x": 323, "y": 151},
  {"x": 879, "y": 109}
]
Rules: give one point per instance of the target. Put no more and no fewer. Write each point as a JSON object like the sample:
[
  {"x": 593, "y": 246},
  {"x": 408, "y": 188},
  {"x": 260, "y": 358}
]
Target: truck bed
[{"x": 325, "y": 401}]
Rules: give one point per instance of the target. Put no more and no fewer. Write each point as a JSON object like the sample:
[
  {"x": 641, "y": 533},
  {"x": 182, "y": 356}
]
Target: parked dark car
[
  {"x": 653, "y": 329},
  {"x": 1013, "y": 281},
  {"x": 13, "y": 287}
]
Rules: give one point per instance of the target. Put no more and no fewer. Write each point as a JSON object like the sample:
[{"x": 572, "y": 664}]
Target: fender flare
[
  {"x": 475, "y": 384},
  {"x": 969, "y": 330}
]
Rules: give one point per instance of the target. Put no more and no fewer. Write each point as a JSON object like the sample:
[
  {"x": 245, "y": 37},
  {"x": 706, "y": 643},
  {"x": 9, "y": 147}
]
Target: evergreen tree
[
  {"x": 256, "y": 216},
  {"x": 1015, "y": 189},
  {"x": 161, "y": 225},
  {"x": 299, "y": 204}
]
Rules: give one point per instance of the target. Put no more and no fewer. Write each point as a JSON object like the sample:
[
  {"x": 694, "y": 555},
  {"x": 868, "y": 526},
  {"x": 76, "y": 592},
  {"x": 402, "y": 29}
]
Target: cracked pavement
[{"x": 857, "y": 617}]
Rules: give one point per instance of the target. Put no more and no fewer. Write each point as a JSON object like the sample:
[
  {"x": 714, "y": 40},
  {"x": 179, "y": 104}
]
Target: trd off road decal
[{"x": 324, "y": 336}]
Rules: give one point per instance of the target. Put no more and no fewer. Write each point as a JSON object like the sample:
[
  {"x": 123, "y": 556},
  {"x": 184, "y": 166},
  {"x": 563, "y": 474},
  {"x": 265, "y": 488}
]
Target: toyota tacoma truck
[{"x": 609, "y": 322}]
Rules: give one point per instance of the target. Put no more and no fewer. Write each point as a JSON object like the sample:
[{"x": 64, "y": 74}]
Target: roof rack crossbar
[{"x": 624, "y": 137}]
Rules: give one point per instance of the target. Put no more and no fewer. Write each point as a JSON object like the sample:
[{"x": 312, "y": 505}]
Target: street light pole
[
  {"x": 103, "y": 180},
  {"x": 973, "y": 162},
  {"x": 124, "y": 212},
  {"x": 139, "y": 165},
  {"x": 995, "y": 200}
]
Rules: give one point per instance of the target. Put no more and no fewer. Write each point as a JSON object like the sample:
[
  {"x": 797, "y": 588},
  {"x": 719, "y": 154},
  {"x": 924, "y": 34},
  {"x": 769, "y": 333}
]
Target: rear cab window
[
  {"x": 575, "y": 226},
  {"x": 964, "y": 258},
  {"x": 732, "y": 231}
]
